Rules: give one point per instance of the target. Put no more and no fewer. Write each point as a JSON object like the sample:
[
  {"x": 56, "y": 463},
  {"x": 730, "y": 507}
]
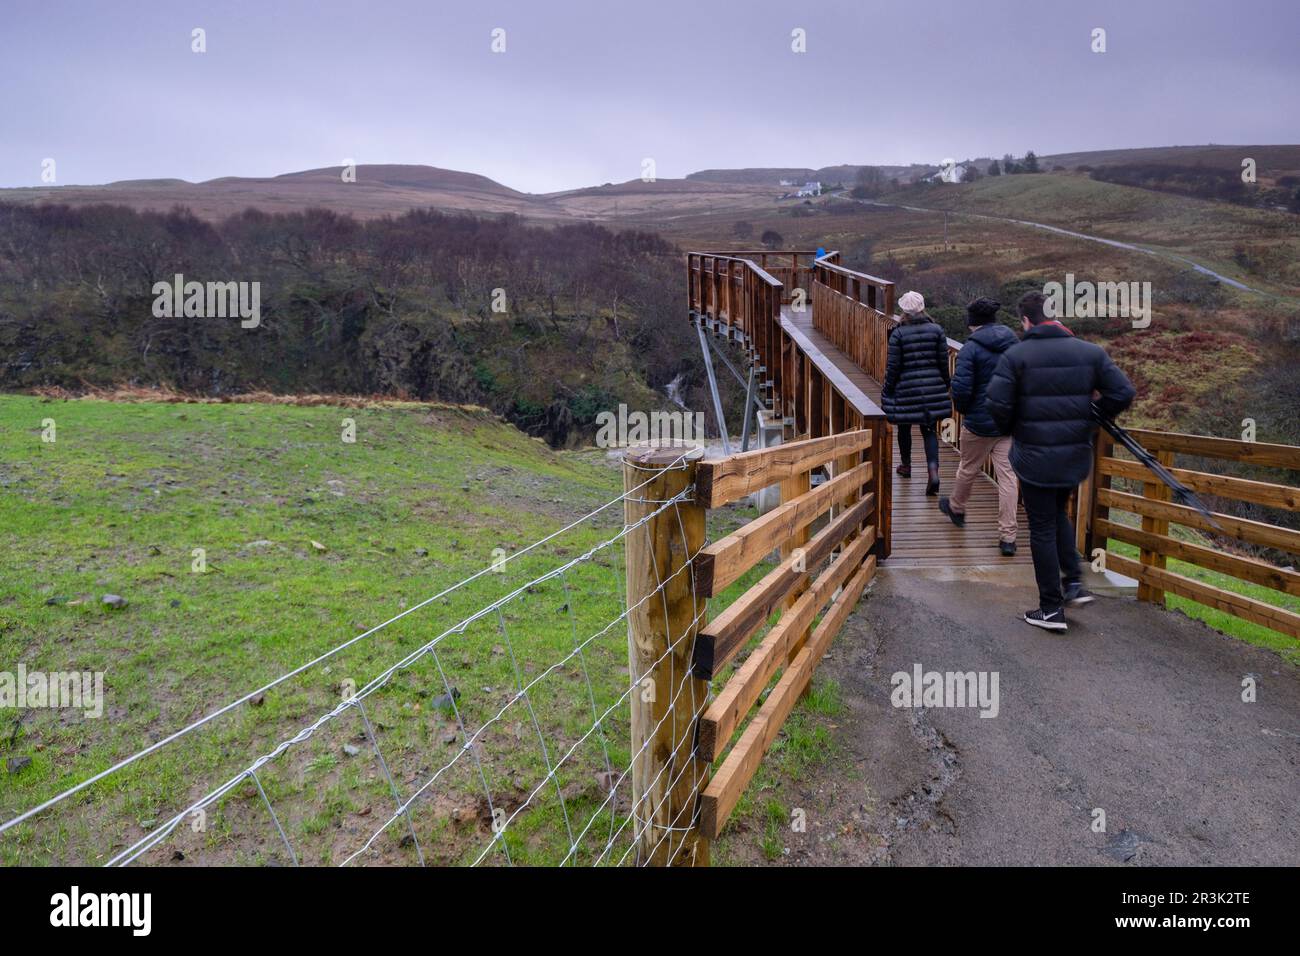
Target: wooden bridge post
[
  {"x": 1154, "y": 490},
  {"x": 666, "y": 700},
  {"x": 792, "y": 488},
  {"x": 882, "y": 478},
  {"x": 1103, "y": 448}
]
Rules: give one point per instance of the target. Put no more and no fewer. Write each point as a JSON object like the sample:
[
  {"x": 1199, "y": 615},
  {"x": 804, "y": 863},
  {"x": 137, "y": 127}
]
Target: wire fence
[{"x": 498, "y": 735}]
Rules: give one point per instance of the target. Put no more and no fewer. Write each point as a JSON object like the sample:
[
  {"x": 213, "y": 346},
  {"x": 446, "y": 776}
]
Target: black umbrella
[{"x": 1182, "y": 494}]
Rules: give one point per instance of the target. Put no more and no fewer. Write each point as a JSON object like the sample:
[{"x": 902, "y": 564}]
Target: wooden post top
[{"x": 662, "y": 456}]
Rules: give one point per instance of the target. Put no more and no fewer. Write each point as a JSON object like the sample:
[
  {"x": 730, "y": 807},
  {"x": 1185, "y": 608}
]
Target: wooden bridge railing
[
  {"x": 694, "y": 755},
  {"x": 823, "y": 570},
  {"x": 737, "y": 298},
  {"x": 1155, "y": 542},
  {"x": 792, "y": 268}
]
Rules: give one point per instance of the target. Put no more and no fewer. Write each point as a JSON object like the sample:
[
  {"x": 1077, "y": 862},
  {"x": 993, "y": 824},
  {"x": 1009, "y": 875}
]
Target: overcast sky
[{"x": 585, "y": 91}]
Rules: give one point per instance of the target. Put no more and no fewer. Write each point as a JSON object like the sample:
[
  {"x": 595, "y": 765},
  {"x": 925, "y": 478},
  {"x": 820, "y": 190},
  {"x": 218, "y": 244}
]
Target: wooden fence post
[
  {"x": 1103, "y": 448},
  {"x": 1155, "y": 490},
  {"x": 882, "y": 480},
  {"x": 666, "y": 699},
  {"x": 792, "y": 488}
]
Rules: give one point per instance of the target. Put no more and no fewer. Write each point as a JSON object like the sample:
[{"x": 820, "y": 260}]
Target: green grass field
[
  {"x": 1247, "y": 631},
  {"x": 307, "y": 541}
]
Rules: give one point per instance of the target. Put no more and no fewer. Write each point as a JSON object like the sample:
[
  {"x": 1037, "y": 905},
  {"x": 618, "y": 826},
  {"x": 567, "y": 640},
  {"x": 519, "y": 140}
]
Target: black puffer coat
[
  {"x": 915, "y": 390},
  {"x": 1041, "y": 393},
  {"x": 970, "y": 381}
]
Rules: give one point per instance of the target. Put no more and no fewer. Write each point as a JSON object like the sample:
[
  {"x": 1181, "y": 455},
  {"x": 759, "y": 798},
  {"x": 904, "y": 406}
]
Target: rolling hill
[
  {"x": 773, "y": 175},
  {"x": 382, "y": 190},
  {"x": 1272, "y": 161},
  {"x": 378, "y": 190}
]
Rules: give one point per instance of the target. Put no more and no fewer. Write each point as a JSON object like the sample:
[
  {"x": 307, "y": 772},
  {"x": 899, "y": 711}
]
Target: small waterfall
[{"x": 674, "y": 391}]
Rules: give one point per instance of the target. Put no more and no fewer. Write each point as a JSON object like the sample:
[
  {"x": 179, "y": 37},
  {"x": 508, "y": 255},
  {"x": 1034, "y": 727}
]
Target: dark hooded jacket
[
  {"x": 1041, "y": 393},
  {"x": 915, "y": 390},
  {"x": 970, "y": 381}
]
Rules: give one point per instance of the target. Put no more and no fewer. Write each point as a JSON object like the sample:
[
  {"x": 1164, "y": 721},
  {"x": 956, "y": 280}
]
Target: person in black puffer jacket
[
  {"x": 1042, "y": 393},
  {"x": 915, "y": 390},
  {"x": 981, "y": 439}
]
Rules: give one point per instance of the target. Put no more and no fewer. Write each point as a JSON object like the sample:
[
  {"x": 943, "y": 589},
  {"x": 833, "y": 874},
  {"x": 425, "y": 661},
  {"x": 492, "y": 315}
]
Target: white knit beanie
[{"x": 912, "y": 303}]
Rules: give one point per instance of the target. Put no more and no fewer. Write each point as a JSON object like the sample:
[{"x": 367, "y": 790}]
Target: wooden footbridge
[
  {"x": 813, "y": 335},
  {"x": 816, "y": 334}
]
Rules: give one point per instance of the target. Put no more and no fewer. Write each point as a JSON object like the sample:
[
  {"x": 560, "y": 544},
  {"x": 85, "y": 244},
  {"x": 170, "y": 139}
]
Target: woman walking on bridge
[{"x": 915, "y": 391}]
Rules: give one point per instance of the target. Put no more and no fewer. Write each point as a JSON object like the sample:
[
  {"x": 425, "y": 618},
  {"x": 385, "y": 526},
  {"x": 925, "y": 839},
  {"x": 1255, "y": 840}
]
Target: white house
[
  {"x": 950, "y": 172},
  {"x": 810, "y": 189}
]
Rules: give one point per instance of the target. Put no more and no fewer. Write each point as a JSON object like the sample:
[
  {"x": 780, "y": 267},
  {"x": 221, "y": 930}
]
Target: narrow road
[
  {"x": 1136, "y": 712},
  {"x": 1116, "y": 243}
]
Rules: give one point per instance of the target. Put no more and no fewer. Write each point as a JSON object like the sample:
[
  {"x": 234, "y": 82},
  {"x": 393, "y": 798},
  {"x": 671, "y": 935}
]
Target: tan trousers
[{"x": 975, "y": 450}]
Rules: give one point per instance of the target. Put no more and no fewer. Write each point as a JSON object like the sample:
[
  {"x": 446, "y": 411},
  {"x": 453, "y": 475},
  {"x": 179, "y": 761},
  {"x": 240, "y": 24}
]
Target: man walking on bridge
[
  {"x": 1041, "y": 393},
  {"x": 981, "y": 439}
]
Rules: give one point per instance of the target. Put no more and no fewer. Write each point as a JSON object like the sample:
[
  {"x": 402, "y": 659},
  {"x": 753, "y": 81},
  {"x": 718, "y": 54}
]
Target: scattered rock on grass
[
  {"x": 114, "y": 600},
  {"x": 445, "y": 701},
  {"x": 15, "y": 764}
]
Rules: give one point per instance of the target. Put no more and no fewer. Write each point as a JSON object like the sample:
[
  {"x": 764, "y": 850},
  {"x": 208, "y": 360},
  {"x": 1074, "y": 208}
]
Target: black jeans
[
  {"x": 1051, "y": 541},
  {"x": 928, "y": 436}
]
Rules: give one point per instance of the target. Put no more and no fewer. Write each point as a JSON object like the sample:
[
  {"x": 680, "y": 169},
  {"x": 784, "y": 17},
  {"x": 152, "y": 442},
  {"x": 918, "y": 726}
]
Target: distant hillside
[
  {"x": 393, "y": 189},
  {"x": 378, "y": 190},
  {"x": 390, "y": 190},
  {"x": 408, "y": 176},
  {"x": 772, "y": 175},
  {"x": 1260, "y": 247},
  {"x": 1271, "y": 161}
]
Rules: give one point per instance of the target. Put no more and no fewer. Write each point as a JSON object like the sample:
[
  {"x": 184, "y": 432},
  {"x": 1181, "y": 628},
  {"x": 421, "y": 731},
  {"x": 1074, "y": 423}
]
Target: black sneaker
[
  {"x": 1008, "y": 548},
  {"x": 957, "y": 517},
  {"x": 1076, "y": 595},
  {"x": 1053, "y": 621}
]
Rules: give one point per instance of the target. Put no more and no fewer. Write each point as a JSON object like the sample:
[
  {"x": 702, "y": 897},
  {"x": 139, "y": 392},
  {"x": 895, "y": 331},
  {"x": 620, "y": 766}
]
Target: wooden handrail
[
  {"x": 724, "y": 561},
  {"x": 1232, "y": 449},
  {"x": 722, "y": 480},
  {"x": 724, "y": 637},
  {"x": 720, "y": 797},
  {"x": 1156, "y": 545},
  {"x": 742, "y": 691},
  {"x": 828, "y": 570},
  {"x": 753, "y": 266}
]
